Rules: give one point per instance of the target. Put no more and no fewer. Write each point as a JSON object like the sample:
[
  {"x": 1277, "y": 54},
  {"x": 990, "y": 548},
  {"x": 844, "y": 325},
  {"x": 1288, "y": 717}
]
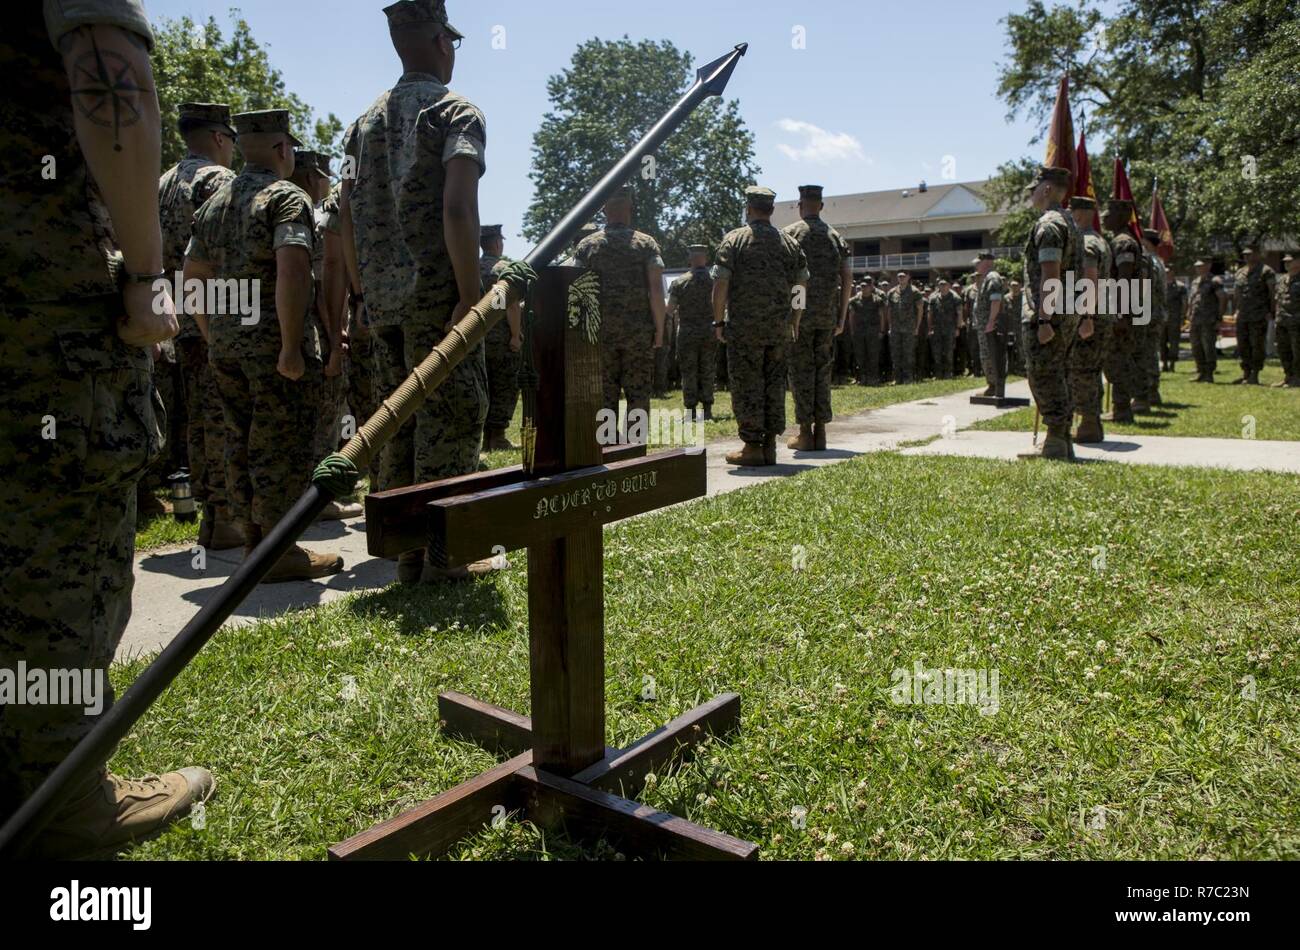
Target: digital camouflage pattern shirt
[
  {"x": 1254, "y": 291},
  {"x": 1288, "y": 301},
  {"x": 1205, "y": 299},
  {"x": 826, "y": 253},
  {"x": 399, "y": 150},
  {"x": 693, "y": 294},
  {"x": 902, "y": 305},
  {"x": 1175, "y": 302},
  {"x": 944, "y": 310},
  {"x": 762, "y": 265},
  {"x": 621, "y": 257},
  {"x": 864, "y": 308},
  {"x": 182, "y": 190},
  {"x": 1053, "y": 238},
  {"x": 991, "y": 289},
  {"x": 237, "y": 232}
]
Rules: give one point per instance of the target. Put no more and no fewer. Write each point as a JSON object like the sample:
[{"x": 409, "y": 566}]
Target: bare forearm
[
  {"x": 119, "y": 131},
  {"x": 721, "y": 288},
  {"x": 292, "y": 299},
  {"x": 461, "y": 228}
]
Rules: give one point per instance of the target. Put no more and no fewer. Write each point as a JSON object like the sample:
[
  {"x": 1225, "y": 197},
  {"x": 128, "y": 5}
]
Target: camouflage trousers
[
  {"x": 329, "y": 420},
  {"x": 77, "y": 429},
  {"x": 699, "y": 364},
  {"x": 1252, "y": 336},
  {"x": 1123, "y": 363},
  {"x": 665, "y": 363},
  {"x": 627, "y": 367},
  {"x": 1087, "y": 359},
  {"x": 362, "y": 395},
  {"x": 170, "y": 388},
  {"x": 1152, "y": 343},
  {"x": 993, "y": 357},
  {"x": 808, "y": 360},
  {"x": 942, "y": 347},
  {"x": 271, "y": 429},
  {"x": 1288, "y": 345},
  {"x": 973, "y": 349},
  {"x": 867, "y": 341},
  {"x": 1048, "y": 368},
  {"x": 902, "y": 352},
  {"x": 1173, "y": 339},
  {"x": 1205, "y": 347},
  {"x": 206, "y": 432},
  {"x": 502, "y": 377},
  {"x": 445, "y": 435},
  {"x": 758, "y": 380}
]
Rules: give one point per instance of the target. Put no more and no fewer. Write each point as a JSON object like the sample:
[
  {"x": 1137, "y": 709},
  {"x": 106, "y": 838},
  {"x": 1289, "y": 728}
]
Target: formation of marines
[{"x": 336, "y": 289}]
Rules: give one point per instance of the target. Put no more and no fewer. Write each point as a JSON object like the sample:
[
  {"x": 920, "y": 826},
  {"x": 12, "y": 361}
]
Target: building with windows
[{"x": 927, "y": 230}]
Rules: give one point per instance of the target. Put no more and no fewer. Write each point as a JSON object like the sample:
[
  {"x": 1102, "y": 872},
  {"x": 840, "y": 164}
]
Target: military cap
[
  {"x": 266, "y": 122},
  {"x": 811, "y": 192},
  {"x": 305, "y": 158},
  {"x": 1200, "y": 263},
  {"x": 1287, "y": 258},
  {"x": 868, "y": 279},
  {"x": 901, "y": 273},
  {"x": 1051, "y": 173},
  {"x": 1151, "y": 234},
  {"x": 698, "y": 249},
  {"x": 1082, "y": 203},
  {"x": 757, "y": 194},
  {"x": 985, "y": 256},
  {"x": 410, "y": 12},
  {"x": 1247, "y": 250},
  {"x": 213, "y": 113},
  {"x": 490, "y": 231}
]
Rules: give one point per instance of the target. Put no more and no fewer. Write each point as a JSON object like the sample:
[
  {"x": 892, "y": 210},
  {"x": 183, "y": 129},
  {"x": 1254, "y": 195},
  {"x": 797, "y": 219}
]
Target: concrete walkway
[
  {"x": 1233, "y": 454},
  {"x": 169, "y": 590}
]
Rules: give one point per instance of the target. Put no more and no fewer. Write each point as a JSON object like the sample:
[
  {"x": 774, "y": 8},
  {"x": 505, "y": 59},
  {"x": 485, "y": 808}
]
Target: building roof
[{"x": 897, "y": 204}]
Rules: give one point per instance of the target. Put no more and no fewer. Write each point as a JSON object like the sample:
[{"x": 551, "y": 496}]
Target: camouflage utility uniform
[
  {"x": 1053, "y": 238},
  {"x": 902, "y": 303},
  {"x": 868, "y": 334},
  {"x": 945, "y": 308},
  {"x": 1154, "y": 338},
  {"x": 1088, "y": 357},
  {"x": 77, "y": 422},
  {"x": 697, "y": 346},
  {"x": 622, "y": 257},
  {"x": 1175, "y": 309},
  {"x": 1288, "y": 326},
  {"x": 401, "y": 146},
  {"x": 1206, "y": 317},
  {"x": 1123, "y": 365},
  {"x": 182, "y": 190},
  {"x": 811, "y": 355},
  {"x": 1253, "y": 291},
  {"x": 993, "y": 346},
  {"x": 762, "y": 265},
  {"x": 271, "y": 421}
]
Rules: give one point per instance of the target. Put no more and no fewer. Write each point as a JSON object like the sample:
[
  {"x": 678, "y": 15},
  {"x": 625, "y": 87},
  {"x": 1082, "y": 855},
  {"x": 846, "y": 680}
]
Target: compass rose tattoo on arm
[{"x": 105, "y": 87}]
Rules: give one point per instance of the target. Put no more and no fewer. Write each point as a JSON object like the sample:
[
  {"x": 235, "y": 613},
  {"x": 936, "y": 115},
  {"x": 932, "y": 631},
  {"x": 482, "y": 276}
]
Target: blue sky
[{"x": 880, "y": 94}]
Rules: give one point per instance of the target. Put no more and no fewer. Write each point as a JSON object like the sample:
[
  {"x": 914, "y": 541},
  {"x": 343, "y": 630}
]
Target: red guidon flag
[
  {"x": 1123, "y": 192},
  {"x": 1083, "y": 176},
  {"x": 1060, "y": 136},
  {"x": 1160, "y": 223}
]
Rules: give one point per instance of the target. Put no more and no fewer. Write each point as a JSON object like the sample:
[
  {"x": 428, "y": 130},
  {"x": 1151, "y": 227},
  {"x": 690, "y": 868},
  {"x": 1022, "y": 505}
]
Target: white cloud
[{"x": 818, "y": 145}]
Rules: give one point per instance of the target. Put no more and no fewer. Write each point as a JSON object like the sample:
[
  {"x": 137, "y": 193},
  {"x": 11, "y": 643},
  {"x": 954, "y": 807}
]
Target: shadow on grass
[{"x": 417, "y": 608}]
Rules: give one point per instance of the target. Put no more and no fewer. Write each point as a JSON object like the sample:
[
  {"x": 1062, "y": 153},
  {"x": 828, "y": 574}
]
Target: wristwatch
[{"x": 122, "y": 277}]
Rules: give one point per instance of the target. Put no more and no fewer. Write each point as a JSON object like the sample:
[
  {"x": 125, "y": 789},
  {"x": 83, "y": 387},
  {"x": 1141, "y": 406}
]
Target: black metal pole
[{"x": 97, "y": 746}]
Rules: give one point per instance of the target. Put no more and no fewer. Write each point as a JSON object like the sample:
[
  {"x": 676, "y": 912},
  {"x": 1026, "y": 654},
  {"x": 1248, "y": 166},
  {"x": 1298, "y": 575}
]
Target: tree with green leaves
[
  {"x": 689, "y": 192},
  {"x": 195, "y": 62},
  {"x": 1202, "y": 95}
]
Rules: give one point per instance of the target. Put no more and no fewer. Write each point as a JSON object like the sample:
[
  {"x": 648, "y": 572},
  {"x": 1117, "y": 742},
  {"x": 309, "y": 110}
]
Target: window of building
[
  {"x": 968, "y": 242},
  {"x": 916, "y": 245},
  {"x": 866, "y": 248}
]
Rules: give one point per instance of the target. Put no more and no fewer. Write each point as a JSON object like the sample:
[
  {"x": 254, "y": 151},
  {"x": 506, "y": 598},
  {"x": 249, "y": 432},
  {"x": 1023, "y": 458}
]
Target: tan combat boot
[
  {"x": 1141, "y": 405},
  {"x": 803, "y": 442},
  {"x": 299, "y": 564},
  {"x": 1123, "y": 412},
  {"x": 341, "y": 511},
  {"x": 111, "y": 812},
  {"x": 1056, "y": 447},
  {"x": 751, "y": 456},
  {"x": 454, "y": 575},
  {"x": 410, "y": 566},
  {"x": 819, "y": 437},
  {"x": 1090, "y": 431},
  {"x": 226, "y": 535}
]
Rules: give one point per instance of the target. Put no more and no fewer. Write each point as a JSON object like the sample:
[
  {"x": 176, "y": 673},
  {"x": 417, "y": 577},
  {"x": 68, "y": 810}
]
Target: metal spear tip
[{"x": 714, "y": 76}]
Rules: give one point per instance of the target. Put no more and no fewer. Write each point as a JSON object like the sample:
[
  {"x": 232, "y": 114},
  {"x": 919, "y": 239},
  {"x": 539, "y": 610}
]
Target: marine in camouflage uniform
[
  {"x": 401, "y": 148},
  {"x": 501, "y": 348},
  {"x": 77, "y": 422},
  {"x": 945, "y": 310},
  {"x": 630, "y": 269},
  {"x": 903, "y": 307},
  {"x": 813, "y": 350},
  {"x": 1015, "y": 346},
  {"x": 690, "y": 303},
  {"x": 993, "y": 344},
  {"x": 1288, "y": 322},
  {"x": 1253, "y": 296},
  {"x": 1127, "y": 329},
  {"x": 970, "y": 297},
  {"x": 868, "y": 332},
  {"x": 758, "y": 267},
  {"x": 271, "y": 416},
  {"x": 1088, "y": 357},
  {"x": 1052, "y": 240},
  {"x": 1154, "y": 338},
  {"x": 182, "y": 190},
  {"x": 1175, "y": 311},
  {"x": 1208, "y": 300}
]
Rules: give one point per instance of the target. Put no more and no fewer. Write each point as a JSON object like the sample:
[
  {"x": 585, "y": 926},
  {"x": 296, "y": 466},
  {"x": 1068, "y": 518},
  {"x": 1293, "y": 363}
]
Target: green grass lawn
[
  {"x": 1149, "y": 696},
  {"x": 1196, "y": 409}
]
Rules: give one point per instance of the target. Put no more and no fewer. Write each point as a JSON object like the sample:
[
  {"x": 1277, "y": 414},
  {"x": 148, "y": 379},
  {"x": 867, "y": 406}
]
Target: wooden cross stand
[{"x": 559, "y": 772}]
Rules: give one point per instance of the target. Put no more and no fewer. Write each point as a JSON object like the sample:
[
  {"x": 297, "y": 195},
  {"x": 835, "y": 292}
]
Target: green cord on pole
[{"x": 337, "y": 476}]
